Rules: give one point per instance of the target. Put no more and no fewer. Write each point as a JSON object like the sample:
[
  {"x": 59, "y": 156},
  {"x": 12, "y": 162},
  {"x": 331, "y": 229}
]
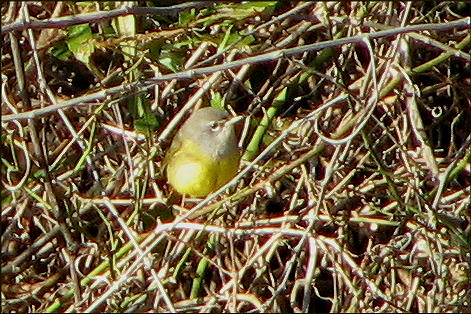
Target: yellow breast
[{"x": 192, "y": 172}]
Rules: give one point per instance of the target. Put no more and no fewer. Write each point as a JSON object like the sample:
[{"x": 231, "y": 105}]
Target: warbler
[{"x": 204, "y": 154}]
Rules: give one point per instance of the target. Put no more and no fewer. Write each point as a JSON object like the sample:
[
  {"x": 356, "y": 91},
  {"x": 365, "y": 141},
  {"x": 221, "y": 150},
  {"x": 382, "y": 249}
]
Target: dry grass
[{"x": 354, "y": 194}]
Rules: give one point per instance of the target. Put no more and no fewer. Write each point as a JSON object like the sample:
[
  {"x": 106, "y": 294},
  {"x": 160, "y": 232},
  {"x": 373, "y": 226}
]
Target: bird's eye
[{"x": 215, "y": 125}]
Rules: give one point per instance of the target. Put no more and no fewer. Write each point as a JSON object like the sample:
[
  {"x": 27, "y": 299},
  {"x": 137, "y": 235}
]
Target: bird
[{"x": 204, "y": 154}]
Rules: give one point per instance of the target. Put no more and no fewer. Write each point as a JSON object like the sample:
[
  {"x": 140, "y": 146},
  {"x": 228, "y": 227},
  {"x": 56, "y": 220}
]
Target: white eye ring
[{"x": 216, "y": 125}]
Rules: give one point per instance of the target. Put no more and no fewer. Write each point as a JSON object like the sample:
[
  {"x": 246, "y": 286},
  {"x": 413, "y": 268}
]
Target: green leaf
[
  {"x": 7, "y": 198},
  {"x": 217, "y": 101},
  {"x": 185, "y": 17},
  {"x": 225, "y": 40},
  {"x": 85, "y": 4},
  {"x": 39, "y": 174},
  {"x": 246, "y": 41},
  {"x": 188, "y": 43},
  {"x": 145, "y": 120},
  {"x": 147, "y": 124},
  {"x": 126, "y": 26},
  {"x": 61, "y": 51},
  {"x": 258, "y": 6},
  {"x": 237, "y": 12},
  {"x": 9, "y": 166},
  {"x": 171, "y": 59},
  {"x": 78, "y": 42}
]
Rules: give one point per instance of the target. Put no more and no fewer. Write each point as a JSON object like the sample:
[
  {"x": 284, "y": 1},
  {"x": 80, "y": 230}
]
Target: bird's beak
[{"x": 233, "y": 120}]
